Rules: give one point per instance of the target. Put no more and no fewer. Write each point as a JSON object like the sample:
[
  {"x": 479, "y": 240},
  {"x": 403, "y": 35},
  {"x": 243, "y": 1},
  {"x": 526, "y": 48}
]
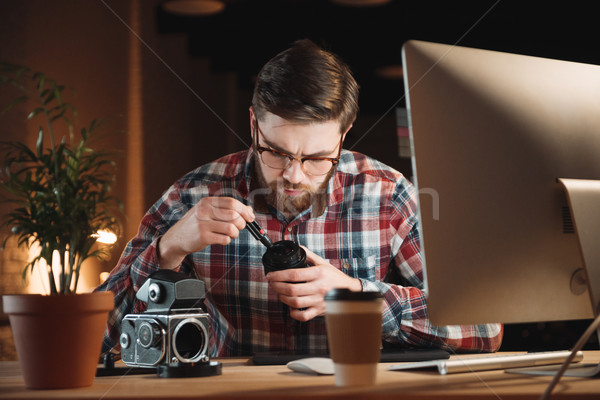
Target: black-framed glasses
[{"x": 311, "y": 165}]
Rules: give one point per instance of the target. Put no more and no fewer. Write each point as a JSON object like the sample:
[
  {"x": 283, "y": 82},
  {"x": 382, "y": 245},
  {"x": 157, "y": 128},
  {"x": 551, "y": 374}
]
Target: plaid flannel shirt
[{"x": 368, "y": 230}]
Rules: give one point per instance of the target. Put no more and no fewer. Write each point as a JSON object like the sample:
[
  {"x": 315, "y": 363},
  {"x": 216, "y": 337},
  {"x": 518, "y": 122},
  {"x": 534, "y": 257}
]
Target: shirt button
[{"x": 345, "y": 265}]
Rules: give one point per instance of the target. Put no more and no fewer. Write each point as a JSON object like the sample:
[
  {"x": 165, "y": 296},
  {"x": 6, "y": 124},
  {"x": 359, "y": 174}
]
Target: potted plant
[{"x": 60, "y": 190}]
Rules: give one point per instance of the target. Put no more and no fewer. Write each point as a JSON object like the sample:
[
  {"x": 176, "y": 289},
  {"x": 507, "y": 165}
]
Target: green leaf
[
  {"x": 59, "y": 115},
  {"x": 40, "y": 143},
  {"x": 35, "y": 112},
  {"x": 41, "y": 80},
  {"x": 47, "y": 96},
  {"x": 14, "y": 103}
]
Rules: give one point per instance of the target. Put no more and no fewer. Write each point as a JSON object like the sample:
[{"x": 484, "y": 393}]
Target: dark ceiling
[{"x": 249, "y": 32}]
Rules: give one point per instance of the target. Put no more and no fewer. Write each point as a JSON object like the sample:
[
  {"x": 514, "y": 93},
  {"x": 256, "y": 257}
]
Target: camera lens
[
  {"x": 149, "y": 334},
  {"x": 284, "y": 254},
  {"x": 190, "y": 340}
]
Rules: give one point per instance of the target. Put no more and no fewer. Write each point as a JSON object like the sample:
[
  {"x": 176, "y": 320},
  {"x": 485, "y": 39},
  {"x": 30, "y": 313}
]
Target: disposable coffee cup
[{"x": 353, "y": 321}]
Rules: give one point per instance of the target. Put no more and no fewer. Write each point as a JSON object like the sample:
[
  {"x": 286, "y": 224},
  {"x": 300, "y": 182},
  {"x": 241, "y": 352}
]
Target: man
[{"x": 355, "y": 217}]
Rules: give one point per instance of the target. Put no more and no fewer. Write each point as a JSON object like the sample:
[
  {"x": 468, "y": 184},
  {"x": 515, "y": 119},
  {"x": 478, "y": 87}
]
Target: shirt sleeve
[
  {"x": 138, "y": 261},
  {"x": 405, "y": 315}
]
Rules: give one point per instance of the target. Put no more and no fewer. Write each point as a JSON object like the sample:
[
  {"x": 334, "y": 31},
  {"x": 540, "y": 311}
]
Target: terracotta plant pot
[{"x": 58, "y": 338}]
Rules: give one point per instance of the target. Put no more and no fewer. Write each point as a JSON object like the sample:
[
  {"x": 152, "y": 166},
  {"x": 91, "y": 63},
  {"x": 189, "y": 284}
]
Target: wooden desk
[{"x": 240, "y": 380}]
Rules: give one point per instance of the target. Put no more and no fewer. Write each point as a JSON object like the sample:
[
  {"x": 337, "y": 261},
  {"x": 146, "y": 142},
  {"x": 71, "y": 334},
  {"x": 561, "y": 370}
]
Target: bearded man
[{"x": 355, "y": 217}]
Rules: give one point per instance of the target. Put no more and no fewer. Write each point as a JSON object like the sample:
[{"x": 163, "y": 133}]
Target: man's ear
[
  {"x": 344, "y": 134},
  {"x": 252, "y": 121}
]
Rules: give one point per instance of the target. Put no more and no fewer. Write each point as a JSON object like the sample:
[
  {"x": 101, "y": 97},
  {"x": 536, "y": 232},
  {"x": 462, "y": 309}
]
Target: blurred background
[{"x": 173, "y": 79}]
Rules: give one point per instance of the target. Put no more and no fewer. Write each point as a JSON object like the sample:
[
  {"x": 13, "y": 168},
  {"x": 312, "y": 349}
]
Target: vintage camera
[{"x": 173, "y": 333}]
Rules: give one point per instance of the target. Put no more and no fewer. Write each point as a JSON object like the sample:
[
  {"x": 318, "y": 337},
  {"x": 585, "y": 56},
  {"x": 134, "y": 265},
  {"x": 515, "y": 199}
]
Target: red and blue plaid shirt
[{"x": 368, "y": 230}]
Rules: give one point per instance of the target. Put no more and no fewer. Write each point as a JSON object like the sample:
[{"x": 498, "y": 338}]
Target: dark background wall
[{"x": 175, "y": 90}]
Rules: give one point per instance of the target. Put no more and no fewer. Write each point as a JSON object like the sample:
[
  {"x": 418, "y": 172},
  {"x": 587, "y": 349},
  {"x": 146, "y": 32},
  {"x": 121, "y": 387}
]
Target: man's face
[{"x": 292, "y": 189}]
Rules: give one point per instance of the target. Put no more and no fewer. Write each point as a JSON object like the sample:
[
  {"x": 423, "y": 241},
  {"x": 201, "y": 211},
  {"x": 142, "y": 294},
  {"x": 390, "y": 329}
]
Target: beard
[{"x": 272, "y": 193}]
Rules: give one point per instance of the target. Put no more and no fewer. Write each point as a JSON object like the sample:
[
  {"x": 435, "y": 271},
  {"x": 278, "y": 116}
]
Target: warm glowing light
[
  {"x": 390, "y": 72},
  {"x": 194, "y": 7},
  {"x": 361, "y": 3},
  {"x": 38, "y": 282},
  {"x": 103, "y": 276},
  {"x": 106, "y": 237}
]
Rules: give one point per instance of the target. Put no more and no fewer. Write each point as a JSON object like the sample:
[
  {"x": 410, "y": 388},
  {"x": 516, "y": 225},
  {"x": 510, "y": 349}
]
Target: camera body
[
  {"x": 174, "y": 330},
  {"x": 148, "y": 340}
]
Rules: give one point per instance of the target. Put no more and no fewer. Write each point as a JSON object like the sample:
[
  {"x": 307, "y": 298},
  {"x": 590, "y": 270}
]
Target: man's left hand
[{"x": 304, "y": 289}]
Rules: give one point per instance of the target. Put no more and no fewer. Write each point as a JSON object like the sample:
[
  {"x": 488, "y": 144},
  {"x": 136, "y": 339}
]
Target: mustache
[{"x": 283, "y": 184}]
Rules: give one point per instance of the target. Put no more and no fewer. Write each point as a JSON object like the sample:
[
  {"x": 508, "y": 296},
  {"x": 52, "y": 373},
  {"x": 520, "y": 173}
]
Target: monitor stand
[{"x": 584, "y": 202}]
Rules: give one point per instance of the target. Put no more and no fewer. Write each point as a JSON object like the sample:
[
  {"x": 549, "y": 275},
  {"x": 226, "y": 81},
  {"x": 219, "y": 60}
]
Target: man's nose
[{"x": 294, "y": 173}]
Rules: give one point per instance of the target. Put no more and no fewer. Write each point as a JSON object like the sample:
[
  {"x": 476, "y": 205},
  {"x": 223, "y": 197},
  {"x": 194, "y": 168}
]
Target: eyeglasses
[{"x": 311, "y": 165}]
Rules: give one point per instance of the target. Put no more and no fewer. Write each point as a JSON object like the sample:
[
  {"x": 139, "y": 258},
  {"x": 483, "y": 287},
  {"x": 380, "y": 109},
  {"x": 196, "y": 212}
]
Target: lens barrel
[
  {"x": 149, "y": 334},
  {"x": 284, "y": 254}
]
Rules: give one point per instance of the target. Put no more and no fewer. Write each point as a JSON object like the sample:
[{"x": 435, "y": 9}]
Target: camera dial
[
  {"x": 149, "y": 334},
  {"x": 124, "y": 340},
  {"x": 155, "y": 292}
]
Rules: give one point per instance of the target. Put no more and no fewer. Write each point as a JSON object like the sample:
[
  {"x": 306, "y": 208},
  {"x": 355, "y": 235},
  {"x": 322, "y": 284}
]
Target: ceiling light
[
  {"x": 390, "y": 72},
  {"x": 360, "y": 3},
  {"x": 194, "y": 8}
]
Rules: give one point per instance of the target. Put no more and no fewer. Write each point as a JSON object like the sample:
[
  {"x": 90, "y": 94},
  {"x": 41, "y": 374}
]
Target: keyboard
[
  {"x": 387, "y": 355},
  {"x": 490, "y": 362}
]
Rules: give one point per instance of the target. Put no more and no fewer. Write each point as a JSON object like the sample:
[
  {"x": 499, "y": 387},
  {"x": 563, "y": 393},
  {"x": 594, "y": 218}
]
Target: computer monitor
[{"x": 491, "y": 134}]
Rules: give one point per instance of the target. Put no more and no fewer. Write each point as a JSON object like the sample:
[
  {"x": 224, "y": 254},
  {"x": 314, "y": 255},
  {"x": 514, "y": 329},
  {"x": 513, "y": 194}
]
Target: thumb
[{"x": 312, "y": 258}]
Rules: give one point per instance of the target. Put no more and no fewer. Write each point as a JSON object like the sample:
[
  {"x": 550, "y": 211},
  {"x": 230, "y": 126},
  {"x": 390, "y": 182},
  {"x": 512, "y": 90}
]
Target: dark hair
[{"x": 306, "y": 83}]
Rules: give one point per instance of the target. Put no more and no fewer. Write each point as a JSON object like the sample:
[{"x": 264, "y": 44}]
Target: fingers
[
  {"x": 226, "y": 209},
  {"x": 292, "y": 288},
  {"x": 312, "y": 258},
  {"x": 306, "y": 314},
  {"x": 303, "y": 307},
  {"x": 304, "y": 289},
  {"x": 213, "y": 220},
  {"x": 297, "y": 288},
  {"x": 293, "y": 275},
  {"x": 222, "y": 233}
]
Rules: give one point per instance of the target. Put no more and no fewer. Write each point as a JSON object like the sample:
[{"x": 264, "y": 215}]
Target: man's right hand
[{"x": 213, "y": 220}]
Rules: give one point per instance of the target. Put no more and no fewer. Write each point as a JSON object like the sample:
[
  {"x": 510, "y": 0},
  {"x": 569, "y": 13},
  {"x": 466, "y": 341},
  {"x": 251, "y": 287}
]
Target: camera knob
[
  {"x": 155, "y": 292},
  {"x": 149, "y": 334},
  {"x": 124, "y": 340}
]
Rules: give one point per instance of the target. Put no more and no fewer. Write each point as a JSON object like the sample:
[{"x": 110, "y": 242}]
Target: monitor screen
[{"x": 491, "y": 133}]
